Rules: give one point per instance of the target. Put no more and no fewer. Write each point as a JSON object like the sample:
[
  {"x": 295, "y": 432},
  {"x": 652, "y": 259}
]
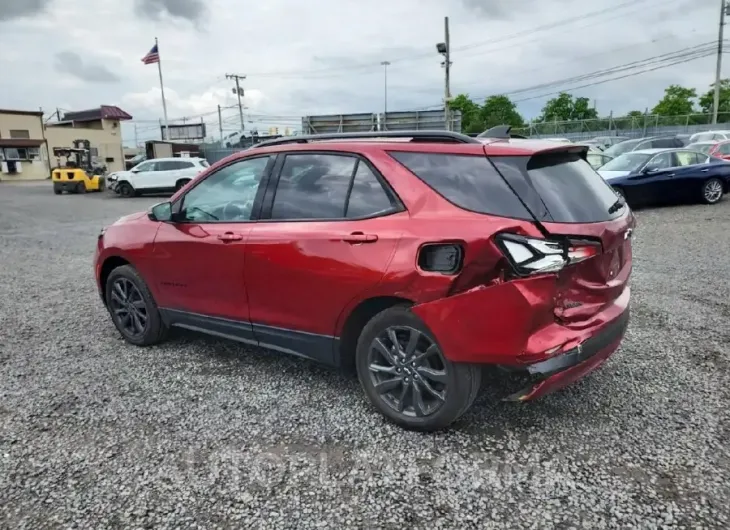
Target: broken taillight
[{"x": 529, "y": 255}]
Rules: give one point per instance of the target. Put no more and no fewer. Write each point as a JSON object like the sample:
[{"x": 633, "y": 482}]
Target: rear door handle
[
  {"x": 359, "y": 237},
  {"x": 230, "y": 236},
  {"x": 705, "y": 170}
]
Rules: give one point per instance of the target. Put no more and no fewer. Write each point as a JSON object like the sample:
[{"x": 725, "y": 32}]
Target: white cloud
[{"x": 323, "y": 56}]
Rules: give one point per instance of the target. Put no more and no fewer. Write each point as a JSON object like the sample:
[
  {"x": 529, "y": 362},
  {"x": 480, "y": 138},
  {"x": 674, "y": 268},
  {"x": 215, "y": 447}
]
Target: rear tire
[
  {"x": 125, "y": 190},
  {"x": 132, "y": 307},
  {"x": 57, "y": 191},
  {"x": 712, "y": 191},
  {"x": 412, "y": 384}
]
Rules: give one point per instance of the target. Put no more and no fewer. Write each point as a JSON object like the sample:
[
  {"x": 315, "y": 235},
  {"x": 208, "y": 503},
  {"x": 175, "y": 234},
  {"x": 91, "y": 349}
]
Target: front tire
[
  {"x": 125, "y": 190},
  {"x": 407, "y": 378},
  {"x": 132, "y": 307},
  {"x": 712, "y": 191}
]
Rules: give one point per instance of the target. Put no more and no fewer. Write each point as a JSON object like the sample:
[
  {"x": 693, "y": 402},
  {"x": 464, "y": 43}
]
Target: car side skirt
[{"x": 319, "y": 348}]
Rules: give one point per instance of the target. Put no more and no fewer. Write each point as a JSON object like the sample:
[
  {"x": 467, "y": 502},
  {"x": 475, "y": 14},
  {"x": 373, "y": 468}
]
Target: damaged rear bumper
[{"x": 557, "y": 372}]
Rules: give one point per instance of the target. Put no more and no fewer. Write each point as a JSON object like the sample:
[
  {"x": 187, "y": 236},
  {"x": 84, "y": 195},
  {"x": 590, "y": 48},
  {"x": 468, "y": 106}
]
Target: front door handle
[
  {"x": 705, "y": 170},
  {"x": 359, "y": 237},
  {"x": 670, "y": 175},
  {"x": 230, "y": 236}
]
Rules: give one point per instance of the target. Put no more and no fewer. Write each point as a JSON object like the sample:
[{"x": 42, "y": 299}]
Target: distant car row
[{"x": 653, "y": 176}]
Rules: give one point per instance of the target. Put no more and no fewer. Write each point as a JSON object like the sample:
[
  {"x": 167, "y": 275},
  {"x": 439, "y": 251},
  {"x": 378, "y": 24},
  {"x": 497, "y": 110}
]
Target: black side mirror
[
  {"x": 650, "y": 169},
  {"x": 161, "y": 212}
]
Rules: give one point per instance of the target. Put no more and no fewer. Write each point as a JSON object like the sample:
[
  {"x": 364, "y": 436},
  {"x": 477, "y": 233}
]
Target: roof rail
[{"x": 415, "y": 136}]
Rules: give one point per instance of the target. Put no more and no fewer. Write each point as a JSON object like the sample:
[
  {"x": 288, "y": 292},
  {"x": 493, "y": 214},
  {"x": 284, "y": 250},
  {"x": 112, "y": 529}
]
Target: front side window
[
  {"x": 226, "y": 195},
  {"x": 313, "y": 186},
  {"x": 724, "y": 149}
]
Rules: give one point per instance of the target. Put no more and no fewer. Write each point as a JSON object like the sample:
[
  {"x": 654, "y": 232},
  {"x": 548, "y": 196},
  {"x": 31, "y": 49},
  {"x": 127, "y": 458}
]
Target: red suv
[{"x": 416, "y": 257}]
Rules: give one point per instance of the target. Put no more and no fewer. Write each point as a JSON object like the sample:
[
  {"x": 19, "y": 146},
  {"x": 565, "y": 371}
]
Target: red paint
[
  {"x": 715, "y": 150},
  {"x": 310, "y": 276}
]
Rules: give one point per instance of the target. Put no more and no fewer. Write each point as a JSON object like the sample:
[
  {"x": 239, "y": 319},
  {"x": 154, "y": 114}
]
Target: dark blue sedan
[{"x": 651, "y": 176}]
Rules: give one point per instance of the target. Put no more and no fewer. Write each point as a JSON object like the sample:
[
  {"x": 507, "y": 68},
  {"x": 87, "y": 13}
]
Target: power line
[
  {"x": 665, "y": 60},
  {"x": 693, "y": 57},
  {"x": 430, "y": 54}
]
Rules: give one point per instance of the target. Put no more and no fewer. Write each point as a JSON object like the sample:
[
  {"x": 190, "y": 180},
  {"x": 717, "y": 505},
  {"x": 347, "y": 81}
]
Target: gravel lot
[{"x": 204, "y": 433}]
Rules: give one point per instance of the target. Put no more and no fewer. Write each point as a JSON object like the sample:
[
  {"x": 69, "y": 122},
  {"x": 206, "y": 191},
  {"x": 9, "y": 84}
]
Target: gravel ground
[{"x": 95, "y": 433}]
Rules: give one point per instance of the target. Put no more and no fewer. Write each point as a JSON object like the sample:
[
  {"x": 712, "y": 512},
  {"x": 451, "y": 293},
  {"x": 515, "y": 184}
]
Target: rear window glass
[
  {"x": 469, "y": 182},
  {"x": 566, "y": 188}
]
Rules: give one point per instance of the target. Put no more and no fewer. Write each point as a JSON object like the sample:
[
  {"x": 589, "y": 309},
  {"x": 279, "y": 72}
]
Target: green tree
[
  {"x": 565, "y": 108},
  {"x": 471, "y": 119},
  {"x": 635, "y": 114},
  {"x": 582, "y": 110},
  {"x": 500, "y": 110},
  {"x": 707, "y": 99},
  {"x": 677, "y": 101},
  {"x": 558, "y": 109}
]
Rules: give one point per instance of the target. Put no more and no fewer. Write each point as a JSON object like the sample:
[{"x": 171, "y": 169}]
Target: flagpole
[{"x": 166, "y": 134}]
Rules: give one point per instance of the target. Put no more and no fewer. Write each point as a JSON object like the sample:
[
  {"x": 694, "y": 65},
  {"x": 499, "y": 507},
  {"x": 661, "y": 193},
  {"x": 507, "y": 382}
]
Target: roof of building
[
  {"x": 22, "y": 112},
  {"x": 105, "y": 112}
]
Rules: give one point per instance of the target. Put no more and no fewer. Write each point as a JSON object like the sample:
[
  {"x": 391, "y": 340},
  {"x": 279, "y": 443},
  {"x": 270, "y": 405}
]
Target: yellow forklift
[{"x": 77, "y": 174}]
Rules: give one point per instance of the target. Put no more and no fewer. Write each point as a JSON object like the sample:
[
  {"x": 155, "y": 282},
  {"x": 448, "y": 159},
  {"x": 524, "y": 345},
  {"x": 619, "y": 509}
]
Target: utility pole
[
  {"x": 136, "y": 138},
  {"x": 385, "y": 104},
  {"x": 220, "y": 124},
  {"x": 239, "y": 92},
  {"x": 444, "y": 49},
  {"x": 724, "y": 8}
]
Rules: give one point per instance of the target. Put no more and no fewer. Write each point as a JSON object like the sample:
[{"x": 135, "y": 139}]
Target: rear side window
[
  {"x": 559, "y": 187},
  {"x": 469, "y": 182},
  {"x": 328, "y": 186},
  {"x": 313, "y": 186},
  {"x": 367, "y": 196}
]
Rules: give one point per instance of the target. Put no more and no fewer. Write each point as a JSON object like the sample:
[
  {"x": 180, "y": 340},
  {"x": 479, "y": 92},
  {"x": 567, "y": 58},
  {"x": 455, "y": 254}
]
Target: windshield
[
  {"x": 626, "y": 162},
  {"x": 622, "y": 147},
  {"x": 702, "y": 148}
]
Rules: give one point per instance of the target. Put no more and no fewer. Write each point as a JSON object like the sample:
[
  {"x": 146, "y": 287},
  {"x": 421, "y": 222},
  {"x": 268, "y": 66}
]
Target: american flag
[{"x": 153, "y": 56}]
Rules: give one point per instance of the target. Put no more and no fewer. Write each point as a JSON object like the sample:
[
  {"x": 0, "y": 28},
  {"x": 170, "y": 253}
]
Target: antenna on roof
[{"x": 498, "y": 131}]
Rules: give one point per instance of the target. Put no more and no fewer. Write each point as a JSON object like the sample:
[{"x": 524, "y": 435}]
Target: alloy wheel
[
  {"x": 408, "y": 371},
  {"x": 713, "y": 190},
  {"x": 128, "y": 307}
]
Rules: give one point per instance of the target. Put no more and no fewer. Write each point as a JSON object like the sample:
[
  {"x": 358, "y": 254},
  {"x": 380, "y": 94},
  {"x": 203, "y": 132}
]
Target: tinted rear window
[
  {"x": 559, "y": 187},
  {"x": 470, "y": 182}
]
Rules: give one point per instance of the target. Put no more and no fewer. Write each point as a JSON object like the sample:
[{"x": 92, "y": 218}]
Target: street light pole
[
  {"x": 444, "y": 48},
  {"x": 718, "y": 70},
  {"x": 385, "y": 65}
]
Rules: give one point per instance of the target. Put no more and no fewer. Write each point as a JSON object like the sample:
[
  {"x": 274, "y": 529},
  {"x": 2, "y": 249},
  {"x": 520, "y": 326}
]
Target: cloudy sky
[{"x": 323, "y": 56}]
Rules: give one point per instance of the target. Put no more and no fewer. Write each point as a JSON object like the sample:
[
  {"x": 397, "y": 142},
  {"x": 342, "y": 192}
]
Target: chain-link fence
[{"x": 631, "y": 126}]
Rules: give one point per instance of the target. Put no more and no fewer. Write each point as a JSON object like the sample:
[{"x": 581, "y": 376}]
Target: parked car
[
  {"x": 416, "y": 262},
  {"x": 706, "y": 136},
  {"x": 136, "y": 159},
  {"x": 607, "y": 141},
  {"x": 597, "y": 160},
  {"x": 159, "y": 175},
  {"x": 657, "y": 142},
  {"x": 651, "y": 176},
  {"x": 702, "y": 147},
  {"x": 717, "y": 149}
]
